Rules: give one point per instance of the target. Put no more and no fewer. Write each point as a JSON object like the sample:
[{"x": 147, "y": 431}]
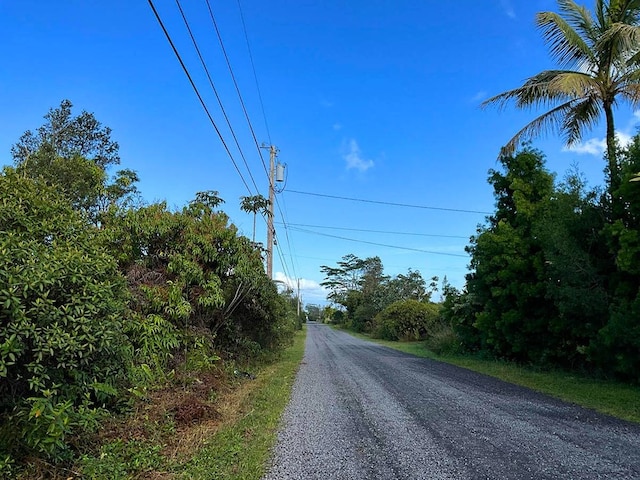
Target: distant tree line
[{"x": 392, "y": 308}]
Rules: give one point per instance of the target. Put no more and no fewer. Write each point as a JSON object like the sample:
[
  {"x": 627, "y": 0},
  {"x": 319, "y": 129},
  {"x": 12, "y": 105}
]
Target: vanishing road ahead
[{"x": 361, "y": 411}]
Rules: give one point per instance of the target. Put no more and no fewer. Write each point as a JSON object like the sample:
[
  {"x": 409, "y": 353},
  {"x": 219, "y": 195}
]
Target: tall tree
[
  {"x": 74, "y": 153},
  {"x": 255, "y": 204},
  {"x": 599, "y": 56},
  {"x": 67, "y": 135},
  {"x": 508, "y": 284}
]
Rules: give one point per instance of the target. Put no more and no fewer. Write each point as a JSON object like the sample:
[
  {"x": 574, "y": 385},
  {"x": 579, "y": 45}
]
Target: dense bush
[
  {"x": 406, "y": 320},
  {"x": 192, "y": 270},
  {"x": 62, "y": 350}
]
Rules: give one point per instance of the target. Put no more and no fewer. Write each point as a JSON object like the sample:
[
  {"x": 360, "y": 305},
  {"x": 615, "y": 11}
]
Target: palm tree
[
  {"x": 255, "y": 204},
  {"x": 600, "y": 57}
]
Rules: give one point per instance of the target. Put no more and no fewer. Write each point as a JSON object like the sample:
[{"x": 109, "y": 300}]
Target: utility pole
[
  {"x": 272, "y": 190},
  {"x": 276, "y": 174}
]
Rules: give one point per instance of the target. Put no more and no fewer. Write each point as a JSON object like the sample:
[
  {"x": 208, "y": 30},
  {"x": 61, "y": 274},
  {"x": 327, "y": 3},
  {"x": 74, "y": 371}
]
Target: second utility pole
[{"x": 272, "y": 168}]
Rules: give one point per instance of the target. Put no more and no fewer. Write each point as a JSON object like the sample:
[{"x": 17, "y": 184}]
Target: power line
[
  {"x": 235, "y": 83},
  {"x": 215, "y": 91},
  {"x": 255, "y": 76},
  {"x": 377, "y": 231},
  {"x": 389, "y": 203},
  {"x": 285, "y": 266},
  {"x": 380, "y": 244},
  {"x": 195, "y": 89}
]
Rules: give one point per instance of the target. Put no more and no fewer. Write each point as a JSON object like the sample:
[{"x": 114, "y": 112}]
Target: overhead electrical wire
[
  {"x": 255, "y": 76},
  {"x": 377, "y": 231},
  {"x": 213, "y": 123},
  {"x": 215, "y": 91},
  {"x": 235, "y": 83},
  {"x": 286, "y": 232},
  {"x": 197, "y": 92},
  {"x": 379, "y": 244},
  {"x": 389, "y": 203},
  {"x": 249, "y": 123}
]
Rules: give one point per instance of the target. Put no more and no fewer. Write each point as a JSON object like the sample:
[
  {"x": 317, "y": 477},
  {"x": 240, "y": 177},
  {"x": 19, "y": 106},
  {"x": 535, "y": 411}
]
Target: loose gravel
[{"x": 362, "y": 411}]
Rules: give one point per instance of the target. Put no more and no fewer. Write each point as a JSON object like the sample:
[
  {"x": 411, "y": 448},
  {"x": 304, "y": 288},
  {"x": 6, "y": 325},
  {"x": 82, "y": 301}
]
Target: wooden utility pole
[{"x": 272, "y": 169}]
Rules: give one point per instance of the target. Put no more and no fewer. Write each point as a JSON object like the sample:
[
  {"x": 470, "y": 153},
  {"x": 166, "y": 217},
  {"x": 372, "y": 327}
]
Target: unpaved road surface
[{"x": 361, "y": 411}]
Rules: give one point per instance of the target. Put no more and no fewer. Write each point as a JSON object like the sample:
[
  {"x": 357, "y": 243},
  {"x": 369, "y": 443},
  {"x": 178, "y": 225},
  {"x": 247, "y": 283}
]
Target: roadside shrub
[
  {"x": 62, "y": 349},
  {"x": 405, "y": 320},
  {"x": 443, "y": 340},
  {"x": 191, "y": 269}
]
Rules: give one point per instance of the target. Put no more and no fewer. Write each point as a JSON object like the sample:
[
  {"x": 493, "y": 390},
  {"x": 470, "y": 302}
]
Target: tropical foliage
[
  {"x": 599, "y": 55},
  {"x": 103, "y": 299},
  {"x": 553, "y": 283},
  {"x": 363, "y": 292}
]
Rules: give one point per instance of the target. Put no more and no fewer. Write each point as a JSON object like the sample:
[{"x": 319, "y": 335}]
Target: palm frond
[
  {"x": 573, "y": 84},
  {"x": 549, "y": 121},
  {"x": 633, "y": 62},
  {"x": 624, "y": 11},
  {"x": 579, "y": 18},
  {"x": 621, "y": 42},
  {"x": 567, "y": 46},
  {"x": 546, "y": 89},
  {"x": 582, "y": 116},
  {"x": 631, "y": 93},
  {"x": 601, "y": 12}
]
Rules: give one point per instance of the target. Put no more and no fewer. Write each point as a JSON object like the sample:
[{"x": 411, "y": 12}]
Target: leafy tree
[
  {"x": 618, "y": 344},
  {"x": 577, "y": 268},
  {"x": 355, "y": 284},
  {"x": 343, "y": 278},
  {"x": 74, "y": 153},
  {"x": 405, "y": 287},
  {"x": 600, "y": 56},
  {"x": 314, "y": 312},
  {"x": 66, "y": 136},
  {"x": 508, "y": 283},
  {"x": 193, "y": 269}
]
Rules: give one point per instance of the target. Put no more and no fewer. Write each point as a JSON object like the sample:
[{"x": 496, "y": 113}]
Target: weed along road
[{"x": 362, "y": 411}]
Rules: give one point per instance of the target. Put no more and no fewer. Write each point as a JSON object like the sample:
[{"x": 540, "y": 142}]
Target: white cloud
[
  {"x": 354, "y": 158},
  {"x": 593, "y": 146},
  {"x": 337, "y": 126},
  {"x": 310, "y": 290},
  {"x": 597, "y": 146}
]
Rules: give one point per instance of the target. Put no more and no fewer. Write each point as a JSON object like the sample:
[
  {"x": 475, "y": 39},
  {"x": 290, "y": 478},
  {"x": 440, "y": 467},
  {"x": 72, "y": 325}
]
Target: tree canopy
[{"x": 599, "y": 56}]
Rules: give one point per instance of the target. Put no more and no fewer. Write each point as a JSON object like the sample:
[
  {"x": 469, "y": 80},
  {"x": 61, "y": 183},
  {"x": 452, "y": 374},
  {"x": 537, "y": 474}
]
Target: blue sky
[{"x": 375, "y": 100}]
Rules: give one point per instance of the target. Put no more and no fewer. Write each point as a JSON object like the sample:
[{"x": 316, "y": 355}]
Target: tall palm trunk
[{"x": 614, "y": 181}]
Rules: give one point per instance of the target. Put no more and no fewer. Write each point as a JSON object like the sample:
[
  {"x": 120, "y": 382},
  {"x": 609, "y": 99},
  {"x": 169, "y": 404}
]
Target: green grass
[
  {"x": 613, "y": 398},
  {"x": 241, "y": 451}
]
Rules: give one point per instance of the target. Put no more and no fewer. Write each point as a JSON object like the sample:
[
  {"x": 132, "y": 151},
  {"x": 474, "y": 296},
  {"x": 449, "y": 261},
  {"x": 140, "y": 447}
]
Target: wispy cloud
[
  {"x": 337, "y": 126},
  {"x": 310, "y": 290},
  {"x": 508, "y": 9},
  {"x": 479, "y": 96},
  {"x": 354, "y": 158}
]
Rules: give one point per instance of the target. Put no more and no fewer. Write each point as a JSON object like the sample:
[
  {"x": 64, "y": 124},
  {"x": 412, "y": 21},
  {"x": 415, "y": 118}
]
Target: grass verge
[
  {"x": 613, "y": 398},
  {"x": 240, "y": 450}
]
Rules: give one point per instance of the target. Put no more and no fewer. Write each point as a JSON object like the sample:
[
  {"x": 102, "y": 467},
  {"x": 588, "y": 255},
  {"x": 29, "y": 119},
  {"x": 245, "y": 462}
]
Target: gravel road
[{"x": 362, "y": 411}]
